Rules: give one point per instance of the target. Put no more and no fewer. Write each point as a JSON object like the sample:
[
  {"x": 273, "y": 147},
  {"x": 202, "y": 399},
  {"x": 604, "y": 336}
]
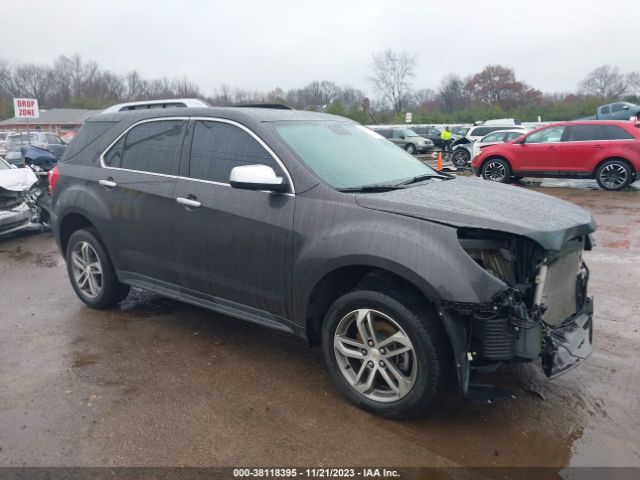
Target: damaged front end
[{"x": 543, "y": 312}]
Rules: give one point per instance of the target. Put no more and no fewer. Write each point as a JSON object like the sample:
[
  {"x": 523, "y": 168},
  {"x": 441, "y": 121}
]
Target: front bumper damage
[{"x": 548, "y": 320}]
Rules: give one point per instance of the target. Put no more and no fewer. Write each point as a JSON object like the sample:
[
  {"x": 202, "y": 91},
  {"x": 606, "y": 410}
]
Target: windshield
[
  {"x": 347, "y": 155},
  {"x": 4, "y": 165}
]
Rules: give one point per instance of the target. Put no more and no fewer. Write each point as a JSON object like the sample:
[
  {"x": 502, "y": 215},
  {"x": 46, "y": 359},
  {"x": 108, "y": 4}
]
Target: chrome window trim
[
  {"x": 148, "y": 120},
  {"x": 211, "y": 119},
  {"x": 602, "y": 140},
  {"x": 256, "y": 138}
]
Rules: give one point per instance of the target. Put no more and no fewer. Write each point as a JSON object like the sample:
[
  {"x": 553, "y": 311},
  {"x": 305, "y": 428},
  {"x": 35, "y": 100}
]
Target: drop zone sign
[{"x": 26, "y": 108}]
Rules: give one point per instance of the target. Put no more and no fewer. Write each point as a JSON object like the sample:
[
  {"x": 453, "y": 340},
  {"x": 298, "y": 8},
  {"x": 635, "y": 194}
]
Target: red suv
[{"x": 608, "y": 151}]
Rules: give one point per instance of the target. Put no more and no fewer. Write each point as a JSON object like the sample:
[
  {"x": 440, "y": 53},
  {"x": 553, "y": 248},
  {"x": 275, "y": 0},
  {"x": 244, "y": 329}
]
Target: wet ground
[{"x": 157, "y": 383}]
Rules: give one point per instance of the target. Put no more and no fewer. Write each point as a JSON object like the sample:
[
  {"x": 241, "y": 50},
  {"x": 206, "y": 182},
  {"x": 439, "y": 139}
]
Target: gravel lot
[{"x": 156, "y": 382}]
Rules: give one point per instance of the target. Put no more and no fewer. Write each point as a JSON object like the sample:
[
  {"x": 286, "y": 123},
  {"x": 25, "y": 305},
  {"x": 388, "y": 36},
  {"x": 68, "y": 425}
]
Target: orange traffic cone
[{"x": 439, "y": 162}]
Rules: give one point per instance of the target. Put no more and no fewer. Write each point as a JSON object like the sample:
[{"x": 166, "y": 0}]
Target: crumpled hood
[
  {"x": 476, "y": 203},
  {"x": 17, "y": 179}
]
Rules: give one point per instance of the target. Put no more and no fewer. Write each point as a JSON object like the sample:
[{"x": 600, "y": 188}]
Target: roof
[
  {"x": 55, "y": 116},
  {"x": 164, "y": 103},
  {"x": 231, "y": 113}
]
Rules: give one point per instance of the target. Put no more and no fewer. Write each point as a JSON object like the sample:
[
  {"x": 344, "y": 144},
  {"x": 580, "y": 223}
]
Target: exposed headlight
[{"x": 493, "y": 254}]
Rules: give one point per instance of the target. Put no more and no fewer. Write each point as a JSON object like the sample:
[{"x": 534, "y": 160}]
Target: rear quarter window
[
  {"x": 88, "y": 134},
  {"x": 618, "y": 133}
]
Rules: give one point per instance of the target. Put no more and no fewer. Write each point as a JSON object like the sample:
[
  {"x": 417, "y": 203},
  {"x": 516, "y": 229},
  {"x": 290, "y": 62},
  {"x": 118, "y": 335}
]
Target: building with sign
[{"x": 55, "y": 120}]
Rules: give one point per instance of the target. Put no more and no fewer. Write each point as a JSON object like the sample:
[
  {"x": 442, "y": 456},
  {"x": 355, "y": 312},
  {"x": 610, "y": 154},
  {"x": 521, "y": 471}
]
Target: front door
[
  {"x": 233, "y": 246},
  {"x": 540, "y": 151}
]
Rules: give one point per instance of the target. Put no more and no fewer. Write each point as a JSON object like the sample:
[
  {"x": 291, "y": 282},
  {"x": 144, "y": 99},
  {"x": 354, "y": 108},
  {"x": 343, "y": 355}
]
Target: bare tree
[
  {"x": 608, "y": 82},
  {"x": 451, "y": 93},
  {"x": 392, "y": 74},
  {"x": 423, "y": 96}
]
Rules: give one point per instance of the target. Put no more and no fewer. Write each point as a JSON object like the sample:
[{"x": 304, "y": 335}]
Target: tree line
[{"x": 494, "y": 92}]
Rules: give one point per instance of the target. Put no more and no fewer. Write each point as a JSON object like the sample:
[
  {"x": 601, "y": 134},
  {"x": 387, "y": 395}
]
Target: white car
[
  {"x": 499, "y": 136},
  {"x": 462, "y": 148},
  {"x": 14, "y": 212}
]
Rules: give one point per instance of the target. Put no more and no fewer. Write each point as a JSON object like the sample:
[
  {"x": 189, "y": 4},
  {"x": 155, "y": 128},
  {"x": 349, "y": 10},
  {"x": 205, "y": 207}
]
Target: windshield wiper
[
  {"x": 426, "y": 176},
  {"x": 376, "y": 187}
]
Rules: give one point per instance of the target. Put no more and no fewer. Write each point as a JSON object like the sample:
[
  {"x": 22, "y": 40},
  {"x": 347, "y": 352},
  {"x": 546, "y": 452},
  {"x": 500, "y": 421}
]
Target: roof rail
[
  {"x": 275, "y": 106},
  {"x": 162, "y": 103}
]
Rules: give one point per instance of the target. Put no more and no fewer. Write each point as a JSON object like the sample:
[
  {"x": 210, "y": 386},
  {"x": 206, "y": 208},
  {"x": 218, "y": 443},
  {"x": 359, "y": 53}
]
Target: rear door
[
  {"x": 583, "y": 148},
  {"x": 235, "y": 248},
  {"x": 136, "y": 184},
  {"x": 540, "y": 151}
]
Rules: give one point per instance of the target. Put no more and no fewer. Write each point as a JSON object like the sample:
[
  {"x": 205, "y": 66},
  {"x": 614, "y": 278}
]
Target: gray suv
[{"x": 315, "y": 225}]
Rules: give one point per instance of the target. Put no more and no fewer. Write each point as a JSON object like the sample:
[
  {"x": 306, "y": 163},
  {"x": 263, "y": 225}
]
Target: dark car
[
  {"x": 313, "y": 224},
  {"x": 432, "y": 133},
  {"x": 608, "y": 151}
]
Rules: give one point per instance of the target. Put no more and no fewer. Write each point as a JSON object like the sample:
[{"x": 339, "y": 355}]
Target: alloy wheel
[
  {"x": 375, "y": 355},
  {"x": 87, "y": 269},
  {"x": 495, "y": 171},
  {"x": 459, "y": 158},
  {"x": 613, "y": 176}
]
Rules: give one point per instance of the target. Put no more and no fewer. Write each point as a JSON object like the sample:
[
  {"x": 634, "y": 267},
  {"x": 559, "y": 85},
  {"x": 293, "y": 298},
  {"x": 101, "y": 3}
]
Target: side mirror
[
  {"x": 402, "y": 137},
  {"x": 257, "y": 177},
  {"x": 625, "y": 107}
]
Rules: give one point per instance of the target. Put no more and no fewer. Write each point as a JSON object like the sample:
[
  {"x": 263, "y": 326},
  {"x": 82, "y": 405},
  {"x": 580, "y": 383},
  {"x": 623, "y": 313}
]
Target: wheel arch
[
  {"x": 496, "y": 157},
  {"x": 69, "y": 223},
  {"x": 616, "y": 157},
  {"x": 343, "y": 279}
]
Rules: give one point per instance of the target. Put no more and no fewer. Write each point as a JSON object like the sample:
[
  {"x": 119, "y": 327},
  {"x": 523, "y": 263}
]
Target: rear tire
[
  {"x": 497, "y": 170},
  {"x": 91, "y": 271},
  {"x": 614, "y": 175},
  {"x": 410, "y": 148},
  {"x": 367, "y": 371}
]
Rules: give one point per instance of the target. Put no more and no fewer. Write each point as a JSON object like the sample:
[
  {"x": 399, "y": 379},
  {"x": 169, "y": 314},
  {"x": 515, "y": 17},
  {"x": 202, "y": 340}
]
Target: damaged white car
[{"x": 15, "y": 210}]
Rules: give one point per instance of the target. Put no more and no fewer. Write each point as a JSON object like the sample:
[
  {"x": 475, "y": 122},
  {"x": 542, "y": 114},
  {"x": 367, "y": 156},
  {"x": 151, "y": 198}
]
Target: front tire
[
  {"x": 497, "y": 170},
  {"x": 460, "y": 157},
  {"x": 91, "y": 272},
  {"x": 385, "y": 352},
  {"x": 614, "y": 175}
]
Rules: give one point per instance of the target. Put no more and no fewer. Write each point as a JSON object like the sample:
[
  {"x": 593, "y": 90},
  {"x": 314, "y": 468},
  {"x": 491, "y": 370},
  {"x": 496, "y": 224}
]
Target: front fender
[{"x": 426, "y": 254}]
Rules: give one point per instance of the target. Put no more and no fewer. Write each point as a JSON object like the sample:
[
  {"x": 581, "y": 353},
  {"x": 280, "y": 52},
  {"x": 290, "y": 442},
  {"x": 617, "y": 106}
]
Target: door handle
[
  {"x": 189, "y": 202},
  {"x": 599, "y": 146},
  {"x": 109, "y": 183}
]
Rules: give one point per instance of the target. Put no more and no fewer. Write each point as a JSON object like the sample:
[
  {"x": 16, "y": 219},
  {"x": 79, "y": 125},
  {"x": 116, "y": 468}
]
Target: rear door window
[
  {"x": 218, "y": 147},
  {"x": 153, "y": 147},
  {"x": 585, "y": 133},
  {"x": 512, "y": 136},
  {"x": 493, "y": 137},
  {"x": 604, "y": 110}
]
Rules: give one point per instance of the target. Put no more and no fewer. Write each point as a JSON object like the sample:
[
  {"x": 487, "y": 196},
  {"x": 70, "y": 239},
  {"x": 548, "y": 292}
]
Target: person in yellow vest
[{"x": 445, "y": 136}]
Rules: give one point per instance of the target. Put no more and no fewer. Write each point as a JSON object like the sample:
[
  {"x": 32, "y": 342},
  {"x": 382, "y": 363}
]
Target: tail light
[{"x": 53, "y": 176}]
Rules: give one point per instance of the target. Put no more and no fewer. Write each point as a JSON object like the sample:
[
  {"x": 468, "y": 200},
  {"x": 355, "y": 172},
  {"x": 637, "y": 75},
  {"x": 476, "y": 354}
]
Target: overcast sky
[{"x": 551, "y": 44}]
